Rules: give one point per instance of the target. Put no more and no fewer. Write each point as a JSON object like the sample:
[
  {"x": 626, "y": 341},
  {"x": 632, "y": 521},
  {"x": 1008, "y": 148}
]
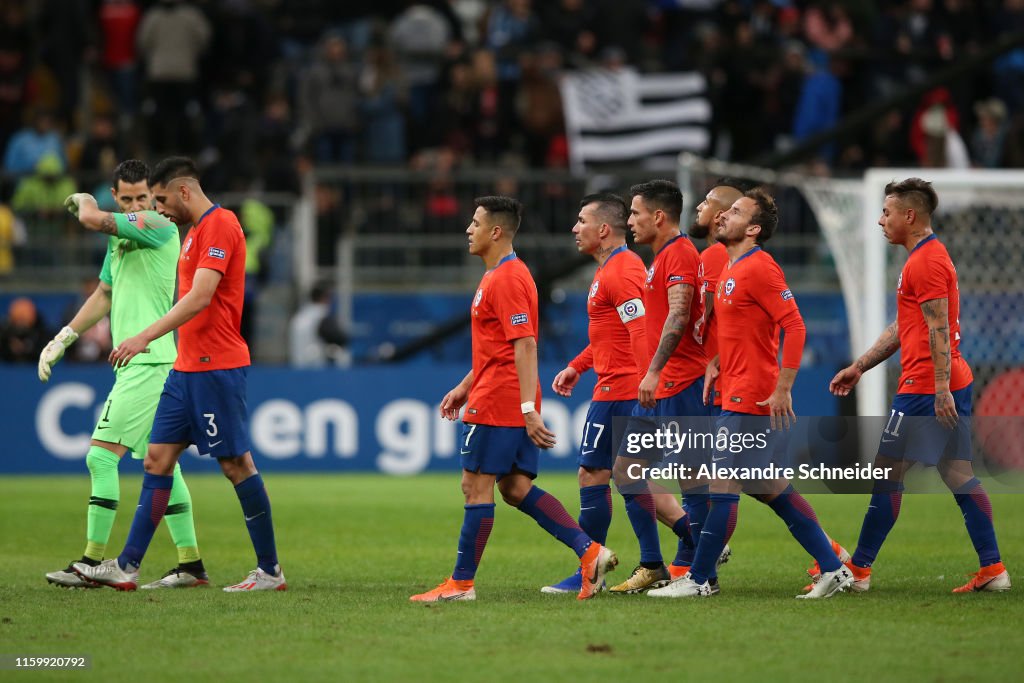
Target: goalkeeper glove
[
  {"x": 72, "y": 201},
  {"x": 54, "y": 351}
]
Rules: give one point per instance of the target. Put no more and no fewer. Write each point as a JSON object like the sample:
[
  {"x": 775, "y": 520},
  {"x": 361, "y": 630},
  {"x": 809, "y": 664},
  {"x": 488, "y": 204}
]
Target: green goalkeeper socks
[
  {"x": 106, "y": 492},
  {"x": 179, "y": 519}
]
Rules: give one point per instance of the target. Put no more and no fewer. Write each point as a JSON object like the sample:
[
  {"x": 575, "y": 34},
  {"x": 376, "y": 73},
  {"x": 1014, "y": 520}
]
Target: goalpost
[{"x": 980, "y": 219}]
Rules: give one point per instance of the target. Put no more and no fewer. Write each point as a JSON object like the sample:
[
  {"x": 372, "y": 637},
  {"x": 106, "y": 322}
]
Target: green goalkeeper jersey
[{"x": 140, "y": 267}]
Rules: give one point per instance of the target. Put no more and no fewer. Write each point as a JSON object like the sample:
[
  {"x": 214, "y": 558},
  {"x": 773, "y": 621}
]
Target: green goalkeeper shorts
[{"x": 127, "y": 415}]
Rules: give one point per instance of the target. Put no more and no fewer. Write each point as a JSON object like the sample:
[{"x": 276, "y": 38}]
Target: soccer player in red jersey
[
  {"x": 502, "y": 425},
  {"x": 672, "y": 385},
  {"x": 712, "y": 260},
  {"x": 203, "y": 400},
  {"x": 617, "y": 351},
  {"x": 752, "y": 303},
  {"x": 930, "y": 417}
]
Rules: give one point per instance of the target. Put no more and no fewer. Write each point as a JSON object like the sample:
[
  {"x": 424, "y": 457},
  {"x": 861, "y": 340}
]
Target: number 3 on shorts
[{"x": 212, "y": 431}]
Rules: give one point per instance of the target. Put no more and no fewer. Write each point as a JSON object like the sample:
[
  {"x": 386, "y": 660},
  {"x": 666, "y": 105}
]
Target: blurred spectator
[
  {"x": 943, "y": 146},
  {"x": 14, "y": 68},
  {"x": 540, "y": 103},
  {"x": 625, "y": 25},
  {"x": 511, "y": 27},
  {"x": 569, "y": 24},
  {"x": 63, "y": 27},
  {"x": 454, "y": 122},
  {"x": 258, "y": 222},
  {"x": 314, "y": 336},
  {"x": 470, "y": 14},
  {"x": 827, "y": 26},
  {"x": 101, "y": 150},
  {"x": 490, "y": 138},
  {"x": 23, "y": 335},
  {"x": 818, "y": 108},
  {"x": 420, "y": 37},
  {"x": 172, "y": 38},
  {"x": 989, "y": 139},
  {"x": 12, "y": 236},
  {"x": 327, "y": 103},
  {"x": 384, "y": 95},
  {"x": 43, "y": 193},
  {"x": 247, "y": 46},
  {"x": 95, "y": 344},
  {"x": 32, "y": 143},
  {"x": 276, "y": 158},
  {"x": 1009, "y": 68},
  {"x": 942, "y": 100},
  {"x": 119, "y": 22}
]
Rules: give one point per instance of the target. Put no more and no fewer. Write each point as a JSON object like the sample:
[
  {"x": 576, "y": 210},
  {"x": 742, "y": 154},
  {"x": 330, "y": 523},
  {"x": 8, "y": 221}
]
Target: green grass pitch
[{"x": 355, "y": 547}]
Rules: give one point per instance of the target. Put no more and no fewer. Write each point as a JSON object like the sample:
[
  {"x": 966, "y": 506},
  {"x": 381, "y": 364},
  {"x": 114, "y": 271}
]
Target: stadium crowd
[{"x": 259, "y": 89}]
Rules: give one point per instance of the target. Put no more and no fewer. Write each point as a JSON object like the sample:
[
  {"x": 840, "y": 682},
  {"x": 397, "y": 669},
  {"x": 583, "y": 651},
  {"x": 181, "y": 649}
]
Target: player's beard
[{"x": 698, "y": 231}]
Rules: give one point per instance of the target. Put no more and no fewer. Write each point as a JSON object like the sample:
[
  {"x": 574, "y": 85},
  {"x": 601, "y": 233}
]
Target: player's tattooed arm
[
  {"x": 936, "y": 315},
  {"x": 676, "y": 324},
  {"x": 107, "y": 224},
  {"x": 886, "y": 345}
]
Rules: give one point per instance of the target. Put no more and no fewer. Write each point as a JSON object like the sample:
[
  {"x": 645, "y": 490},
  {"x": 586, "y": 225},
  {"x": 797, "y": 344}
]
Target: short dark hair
[
  {"x": 171, "y": 168},
  {"x": 611, "y": 209},
  {"x": 130, "y": 171},
  {"x": 507, "y": 211},
  {"x": 916, "y": 193},
  {"x": 766, "y": 215},
  {"x": 661, "y": 194}
]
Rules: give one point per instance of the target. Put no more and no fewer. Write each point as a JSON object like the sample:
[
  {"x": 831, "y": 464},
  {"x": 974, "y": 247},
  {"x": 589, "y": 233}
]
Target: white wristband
[{"x": 528, "y": 407}]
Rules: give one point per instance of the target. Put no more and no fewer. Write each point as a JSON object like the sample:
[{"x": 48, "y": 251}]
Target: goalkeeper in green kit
[{"x": 136, "y": 288}]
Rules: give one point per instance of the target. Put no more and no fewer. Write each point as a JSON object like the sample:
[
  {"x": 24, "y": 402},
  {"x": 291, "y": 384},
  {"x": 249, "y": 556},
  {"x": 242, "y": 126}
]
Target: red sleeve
[
  {"x": 638, "y": 342},
  {"x": 776, "y": 298},
  {"x": 515, "y": 306},
  {"x": 218, "y": 245},
  {"x": 930, "y": 280},
  {"x": 584, "y": 361},
  {"x": 793, "y": 343}
]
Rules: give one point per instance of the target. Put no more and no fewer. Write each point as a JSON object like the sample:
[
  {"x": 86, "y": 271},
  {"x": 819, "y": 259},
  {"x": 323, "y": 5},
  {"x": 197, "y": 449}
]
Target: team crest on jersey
[
  {"x": 188, "y": 245},
  {"x": 899, "y": 284},
  {"x": 730, "y": 285},
  {"x": 650, "y": 274},
  {"x": 132, "y": 218},
  {"x": 479, "y": 296},
  {"x": 593, "y": 289}
]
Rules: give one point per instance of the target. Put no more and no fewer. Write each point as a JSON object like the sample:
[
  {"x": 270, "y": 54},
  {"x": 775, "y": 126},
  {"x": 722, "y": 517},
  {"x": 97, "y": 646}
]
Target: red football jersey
[
  {"x": 212, "y": 340},
  {"x": 713, "y": 260},
  {"x": 618, "y": 340},
  {"x": 504, "y": 309},
  {"x": 678, "y": 263},
  {"x": 751, "y": 303},
  {"x": 928, "y": 274}
]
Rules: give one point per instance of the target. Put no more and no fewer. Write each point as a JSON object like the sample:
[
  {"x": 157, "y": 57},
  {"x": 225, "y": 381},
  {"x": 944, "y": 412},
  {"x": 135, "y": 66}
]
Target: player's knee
[
  {"x": 154, "y": 465},
  {"x": 955, "y": 473},
  {"x": 100, "y": 461},
  {"x": 513, "y": 495}
]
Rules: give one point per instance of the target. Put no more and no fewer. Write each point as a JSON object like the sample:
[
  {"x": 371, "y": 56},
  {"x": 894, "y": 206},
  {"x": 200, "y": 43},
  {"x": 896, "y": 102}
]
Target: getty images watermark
[{"x": 821, "y": 454}]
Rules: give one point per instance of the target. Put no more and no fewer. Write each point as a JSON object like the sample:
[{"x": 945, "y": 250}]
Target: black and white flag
[{"x": 624, "y": 116}]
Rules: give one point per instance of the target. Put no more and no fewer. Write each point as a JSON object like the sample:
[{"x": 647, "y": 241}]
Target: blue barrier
[{"x": 375, "y": 419}]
